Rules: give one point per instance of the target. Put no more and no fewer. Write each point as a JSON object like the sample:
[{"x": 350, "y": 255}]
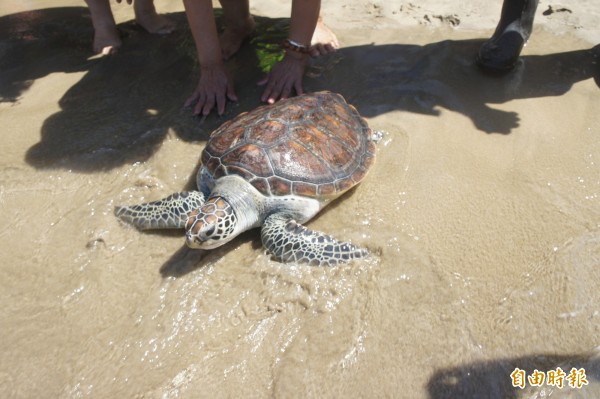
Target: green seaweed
[{"x": 268, "y": 42}]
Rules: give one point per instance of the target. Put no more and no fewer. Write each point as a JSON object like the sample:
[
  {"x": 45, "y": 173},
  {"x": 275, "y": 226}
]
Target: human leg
[
  {"x": 239, "y": 24},
  {"x": 106, "y": 36},
  {"x": 146, "y": 16},
  {"x": 502, "y": 50}
]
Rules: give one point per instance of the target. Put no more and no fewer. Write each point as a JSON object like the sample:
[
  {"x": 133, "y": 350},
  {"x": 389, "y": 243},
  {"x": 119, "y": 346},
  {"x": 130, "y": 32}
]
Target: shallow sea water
[{"x": 482, "y": 215}]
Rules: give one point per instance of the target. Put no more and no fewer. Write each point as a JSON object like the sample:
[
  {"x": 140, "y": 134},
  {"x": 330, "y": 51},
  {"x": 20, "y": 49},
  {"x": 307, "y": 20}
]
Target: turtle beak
[{"x": 191, "y": 240}]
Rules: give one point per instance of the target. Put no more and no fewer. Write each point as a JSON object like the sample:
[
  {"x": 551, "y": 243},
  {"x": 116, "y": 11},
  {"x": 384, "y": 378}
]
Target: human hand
[
  {"x": 323, "y": 41},
  {"x": 319, "y": 49},
  {"x": 285, "y": 76},
  {"x": 213, "y": 88}
]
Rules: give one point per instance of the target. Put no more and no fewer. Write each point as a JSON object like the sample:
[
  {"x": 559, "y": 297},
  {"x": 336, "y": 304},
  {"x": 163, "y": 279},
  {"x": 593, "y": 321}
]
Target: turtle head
[{"x": 211, "y": 225}]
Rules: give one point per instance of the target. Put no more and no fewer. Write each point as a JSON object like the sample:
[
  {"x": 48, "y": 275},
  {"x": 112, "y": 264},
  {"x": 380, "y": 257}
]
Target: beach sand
[{"x": 482, "y": 214}]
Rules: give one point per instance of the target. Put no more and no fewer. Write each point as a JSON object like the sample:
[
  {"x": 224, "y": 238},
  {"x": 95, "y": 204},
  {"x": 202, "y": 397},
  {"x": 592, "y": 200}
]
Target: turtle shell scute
[{"x": 314, "y": 145}]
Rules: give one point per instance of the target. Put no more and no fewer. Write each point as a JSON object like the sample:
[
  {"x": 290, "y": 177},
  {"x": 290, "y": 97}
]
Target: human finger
[
  {"x": 271, "y": 92},
  {"x": 315, "y": 50},
  {"x": 221, "y": 101},
  {"x": 191, "y": 100},
  {"x": 209, "y": 104},
  {"x": 286, "y": 91},
  {"x": 298, "y": 87},
  {"x": 330, "y": 48},
  {"x": 200, "y": 103},
  {"x": 231, "y": 93},
  {"x": 263, "y": 81}
]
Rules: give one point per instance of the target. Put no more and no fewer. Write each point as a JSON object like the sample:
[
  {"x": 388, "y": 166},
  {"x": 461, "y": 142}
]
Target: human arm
[
  {"x": 214, "y": 86},
  {"x": 288, "y": 73}
]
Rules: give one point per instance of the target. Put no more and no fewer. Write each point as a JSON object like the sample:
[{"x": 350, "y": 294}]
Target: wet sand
[{"x": 482, "y": 215}]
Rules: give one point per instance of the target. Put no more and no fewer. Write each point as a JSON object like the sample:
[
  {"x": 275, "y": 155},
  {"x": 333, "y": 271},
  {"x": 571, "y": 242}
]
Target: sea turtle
[{"x": 275, "y": 168}]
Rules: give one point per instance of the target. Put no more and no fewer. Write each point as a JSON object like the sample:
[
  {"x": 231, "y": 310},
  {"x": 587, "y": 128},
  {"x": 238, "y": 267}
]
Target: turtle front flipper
[
  {"x": 168, "y": 213},
  {"x": 289, "y": 241}
]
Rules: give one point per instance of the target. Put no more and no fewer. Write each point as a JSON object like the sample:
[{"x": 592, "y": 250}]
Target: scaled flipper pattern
[
  {"x": 168, "y": 213},
  {"x": 289, "y": 241}
]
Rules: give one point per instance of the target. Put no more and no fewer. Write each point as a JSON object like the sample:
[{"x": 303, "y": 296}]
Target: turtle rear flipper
[
  {"x": 168, "y": 213},
  {"x": 289, "y": 241}
]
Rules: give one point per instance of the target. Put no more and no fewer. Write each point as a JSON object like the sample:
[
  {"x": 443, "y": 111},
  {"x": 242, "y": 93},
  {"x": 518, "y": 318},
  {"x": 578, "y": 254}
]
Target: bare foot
[
  {"x": 146, "y": 16},
  {"x": 106, "y": 40},
  {"x": 155, "y": 23},
  {"x": 324, "y": 41},
  {"x": 233, "y": 37},
  {"x": 106, "y": 36}
]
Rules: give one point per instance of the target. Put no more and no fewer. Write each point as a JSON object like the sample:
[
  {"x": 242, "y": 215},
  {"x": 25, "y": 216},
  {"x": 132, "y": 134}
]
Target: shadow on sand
[
  {"x": 187, "y": 260},
  {"x": 122, "y": 108},
  {"x": 492, "y": 379}
]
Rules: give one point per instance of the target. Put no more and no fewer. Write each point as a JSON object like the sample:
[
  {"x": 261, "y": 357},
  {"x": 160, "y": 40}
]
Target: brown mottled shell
[{"x": 315, "y": 145}]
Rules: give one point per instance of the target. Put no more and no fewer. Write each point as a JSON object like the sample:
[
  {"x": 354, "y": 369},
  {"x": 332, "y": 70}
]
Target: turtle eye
[{"x": 210, "y": 231}]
